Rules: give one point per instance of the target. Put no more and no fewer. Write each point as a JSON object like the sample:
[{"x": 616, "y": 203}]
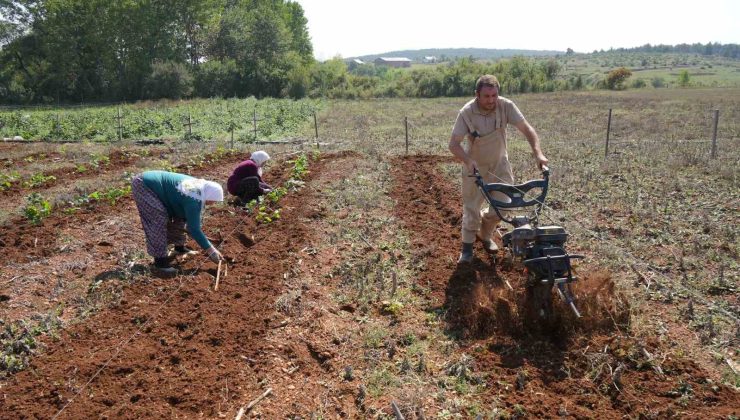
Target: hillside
[{"x": 480, "y": 53}]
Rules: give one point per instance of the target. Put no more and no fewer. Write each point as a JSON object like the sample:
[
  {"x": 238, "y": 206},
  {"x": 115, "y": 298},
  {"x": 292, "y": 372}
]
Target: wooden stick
[
  {"x": 367, "y": 242},
  {"x": 641, "y": 277},
  {"x": 226, "y": 270},
  {"x": 731, "y": 364},
  {"x": 239, "y": 414},
  {"x": 251, "y": 405},
  {"x": 218, "y": 274},
  {"x": 396, "y": 411}
]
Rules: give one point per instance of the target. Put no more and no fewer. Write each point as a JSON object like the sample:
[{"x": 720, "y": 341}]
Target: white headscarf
[
  {"x": 260, "y": 157},
  {"x": 201, "y": 190}
]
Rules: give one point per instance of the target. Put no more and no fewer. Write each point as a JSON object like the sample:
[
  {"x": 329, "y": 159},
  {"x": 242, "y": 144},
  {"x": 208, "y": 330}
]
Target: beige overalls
[{"x": 488, "y": 149}]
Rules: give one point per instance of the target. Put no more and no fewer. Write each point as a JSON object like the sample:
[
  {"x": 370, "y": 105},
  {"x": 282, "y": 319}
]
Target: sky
[{"x": 350, "y": 28}]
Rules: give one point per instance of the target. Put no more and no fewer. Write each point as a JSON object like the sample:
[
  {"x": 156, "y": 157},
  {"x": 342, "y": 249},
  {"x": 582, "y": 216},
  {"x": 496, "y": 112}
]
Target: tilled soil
[
  {"x": 584, "y": 368},
  {"x": 180, "y": 348}
]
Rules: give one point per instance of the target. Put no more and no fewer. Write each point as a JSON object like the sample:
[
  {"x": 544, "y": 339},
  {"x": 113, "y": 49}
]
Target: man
[
  {"x": 483, "y": 121},
  {"x": 246, "y": 180}
]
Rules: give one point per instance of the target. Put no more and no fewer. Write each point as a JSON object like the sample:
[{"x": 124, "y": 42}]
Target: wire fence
[
  {"x": 234, "y": 121},
  {"x": 237, "y": 120}
]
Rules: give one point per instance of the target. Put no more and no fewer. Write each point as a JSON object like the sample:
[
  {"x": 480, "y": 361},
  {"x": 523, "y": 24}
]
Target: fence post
[
  {"x": 120, "y": 129},
  {"x": 406, "y": 124},
  {"x": 316, "y": 129},
  {"x": 254, "y": 123},
  {"x": 189, "y": 124},
  {"x": 714, "y": 136},
  {"x": 232, "y": 137},
  {"x": 608, "y": 128}
]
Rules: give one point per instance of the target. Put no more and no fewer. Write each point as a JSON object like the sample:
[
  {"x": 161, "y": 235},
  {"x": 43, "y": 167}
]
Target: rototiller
[{"x": 540, "y": 248}]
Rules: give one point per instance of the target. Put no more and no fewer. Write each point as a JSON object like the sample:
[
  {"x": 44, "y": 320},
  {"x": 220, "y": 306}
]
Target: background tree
[
  {"x": 684, "y": 78},
  {"x": 169, "y": 79},
  {"x": 616, "y": 78},
  {"x": 551, "y": 68}
]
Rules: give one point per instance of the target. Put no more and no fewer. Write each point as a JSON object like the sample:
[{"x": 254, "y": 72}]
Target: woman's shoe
[
  {"x": 163, "y": 269},
  {"x": 184, "y": 250}
]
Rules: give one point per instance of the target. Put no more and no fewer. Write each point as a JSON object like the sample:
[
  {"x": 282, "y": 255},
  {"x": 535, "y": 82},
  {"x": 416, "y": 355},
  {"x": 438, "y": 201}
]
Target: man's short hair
[{"x": 487, "y": 80}]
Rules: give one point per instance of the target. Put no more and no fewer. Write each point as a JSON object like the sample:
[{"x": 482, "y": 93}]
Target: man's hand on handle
[
  {"x": 471, "y": 166},
  {"x": 541, "y": 159}
]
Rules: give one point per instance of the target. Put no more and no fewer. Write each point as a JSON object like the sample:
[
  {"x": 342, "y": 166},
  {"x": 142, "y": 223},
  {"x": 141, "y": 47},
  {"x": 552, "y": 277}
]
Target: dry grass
[
  {"x": 391, "y": 343},
  {"x": 658, "y": 203}
]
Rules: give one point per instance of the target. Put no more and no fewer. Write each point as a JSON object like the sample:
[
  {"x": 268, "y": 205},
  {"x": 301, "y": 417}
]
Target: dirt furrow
[
  {"x": 170, "y": 347},
  {"x": 585, "y": 368}
]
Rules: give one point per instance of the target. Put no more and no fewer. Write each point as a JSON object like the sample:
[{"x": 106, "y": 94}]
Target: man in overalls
[{"x": 483, "y": 120}]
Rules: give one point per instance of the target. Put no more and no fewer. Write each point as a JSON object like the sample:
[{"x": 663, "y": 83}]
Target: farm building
[
  {"x": 353, "y": 63},
  {"x": 393, "y": 61}
]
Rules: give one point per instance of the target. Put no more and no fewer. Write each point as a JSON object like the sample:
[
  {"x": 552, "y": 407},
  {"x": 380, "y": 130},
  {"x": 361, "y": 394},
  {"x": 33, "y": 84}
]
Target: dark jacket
[{"x": 244, "y": 170}]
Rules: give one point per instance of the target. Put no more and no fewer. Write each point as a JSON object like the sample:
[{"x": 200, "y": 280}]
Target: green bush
[
  {"x": 683, "y": 78},
  {"x": 169, "y": 79},
  {"x": 616, "y": 78},
  {"x": 657, "y": 82},
  {"x": 215, "y": 78}
]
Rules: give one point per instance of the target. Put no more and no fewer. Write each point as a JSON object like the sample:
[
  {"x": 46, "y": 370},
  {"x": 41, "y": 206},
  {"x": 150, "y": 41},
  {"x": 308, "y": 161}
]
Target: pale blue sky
[{"x": 359, "y": 27}]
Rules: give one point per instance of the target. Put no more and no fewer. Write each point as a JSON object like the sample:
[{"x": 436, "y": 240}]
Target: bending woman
[
  {"x": 246, "y": 180},
  {"x": 167, "y": 203}
]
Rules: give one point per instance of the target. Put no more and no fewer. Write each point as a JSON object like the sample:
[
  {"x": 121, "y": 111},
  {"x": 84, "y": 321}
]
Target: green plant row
[
  {"x": 190, "y": 120},
  {"x": 35, "y": 180},
  {"x": 266, "y": 208},
  {"x": 7, "y": 180},
  {"x": 38, "y": 208}
]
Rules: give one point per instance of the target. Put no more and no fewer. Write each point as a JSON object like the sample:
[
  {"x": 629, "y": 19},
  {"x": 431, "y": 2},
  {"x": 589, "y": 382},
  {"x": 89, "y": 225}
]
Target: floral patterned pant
[{"x": 159, "y": 228}]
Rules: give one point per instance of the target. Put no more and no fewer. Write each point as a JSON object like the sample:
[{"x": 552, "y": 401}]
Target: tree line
[
  {"x": 111, "y": 50},
  {"x": 722, "y": 50},
  {"x": 73, "y": 51},
  {"x": 457, "y": 78}
]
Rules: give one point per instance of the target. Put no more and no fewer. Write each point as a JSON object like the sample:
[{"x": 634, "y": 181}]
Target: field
[
  {"x": 649, "y": 70},
  {"x": 704, "y": 71},
  {"x": 350, "y": 303},
  {"x": 234, "y": 119}
]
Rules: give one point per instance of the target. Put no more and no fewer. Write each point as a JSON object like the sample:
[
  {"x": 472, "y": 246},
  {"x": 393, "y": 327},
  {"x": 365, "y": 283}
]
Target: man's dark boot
[
  {"x": 467, "y": 253},
  {"x": 163, "y": 269}
]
